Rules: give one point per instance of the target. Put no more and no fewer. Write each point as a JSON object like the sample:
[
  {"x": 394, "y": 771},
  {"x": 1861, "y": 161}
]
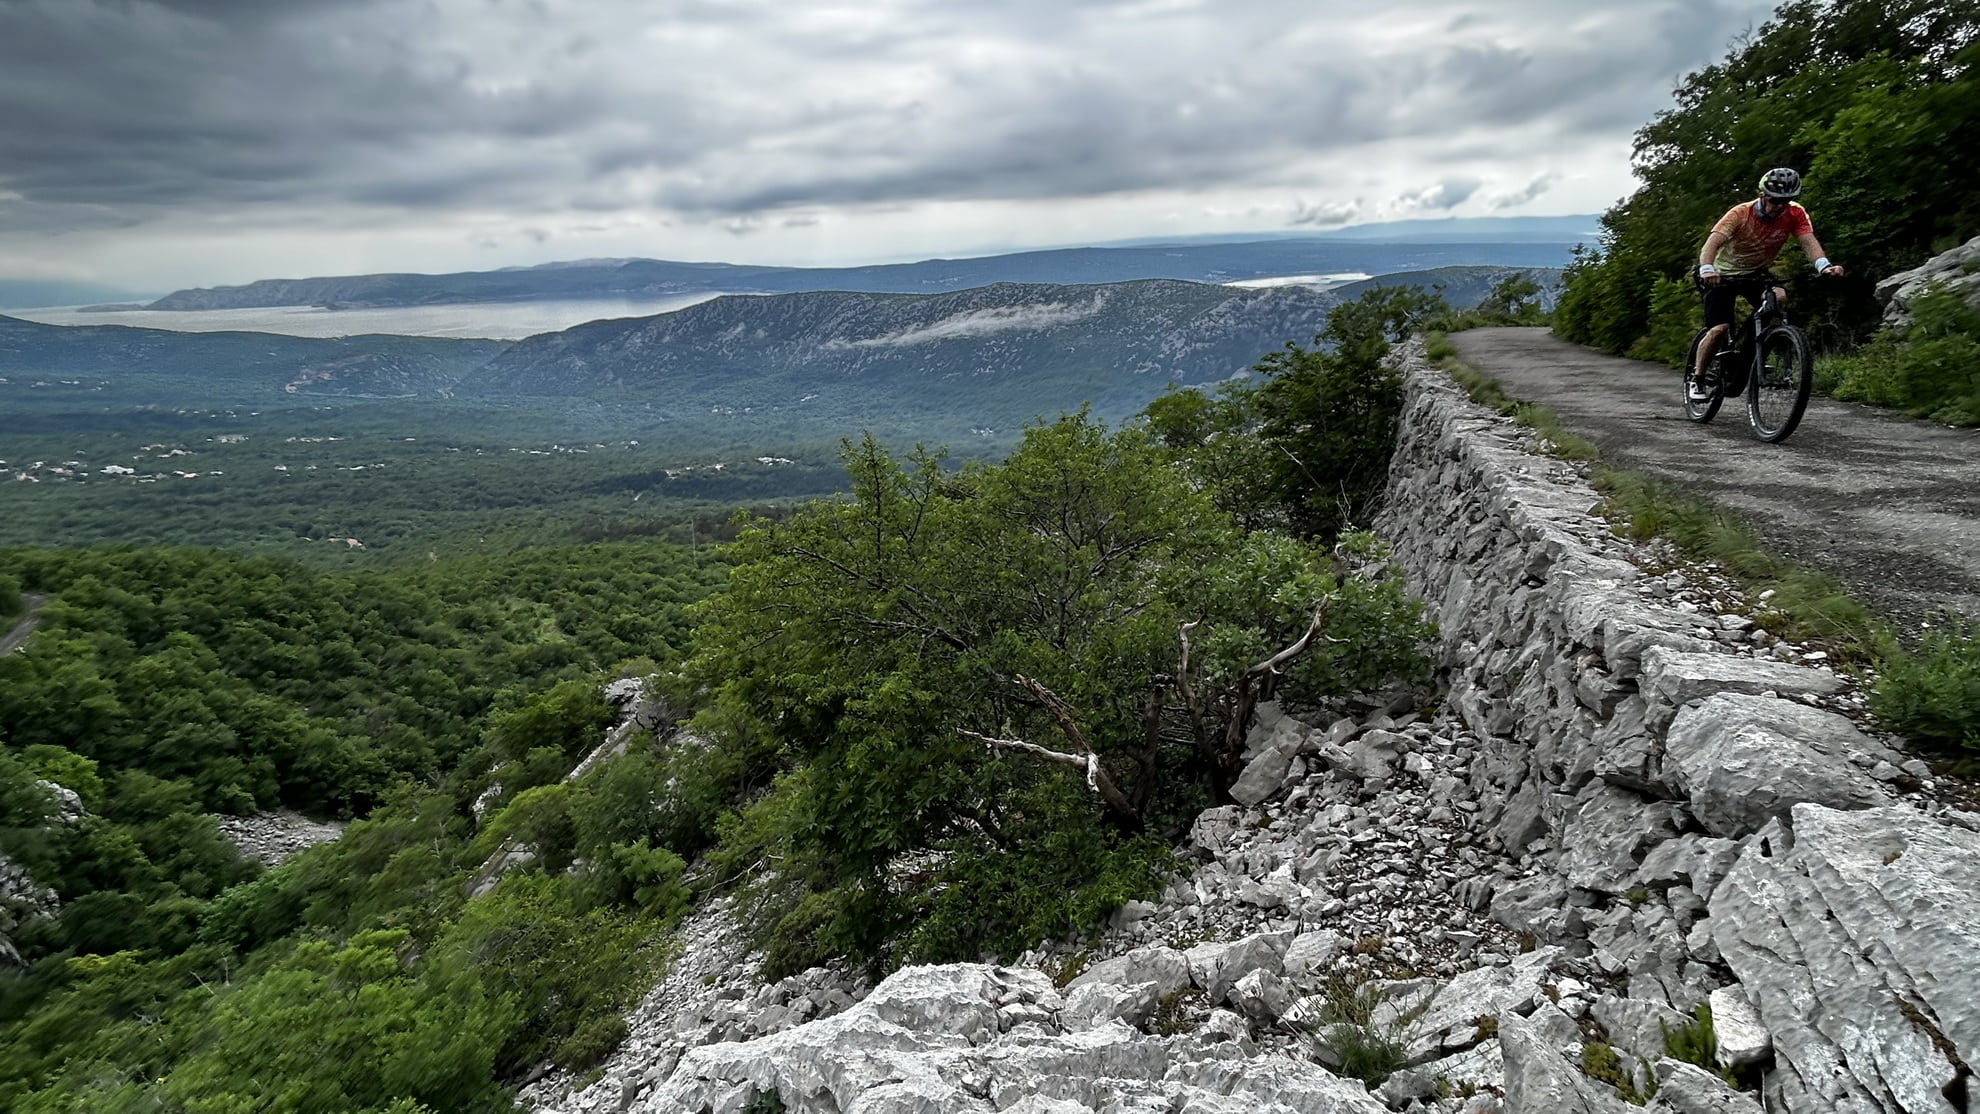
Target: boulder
[
  {"x": 1689, "y": 1089},
  {"x": 1541, "y": 1080},
  {"x": 1743, "y": 1041},
  {"x": 1744, "y": 760},
  {"x": 1265, "y": 775},
  {"x": 1098, "y": 1003},
  {"x": 1957, "y": 270},
  {"x": 1609, "y": 834},
  {"x": 1311, "y": 954},
  {"x": 1679, "y": 676},
  {"x": 1217, "y": 966},
  {"x": 1166, "y": 968}
]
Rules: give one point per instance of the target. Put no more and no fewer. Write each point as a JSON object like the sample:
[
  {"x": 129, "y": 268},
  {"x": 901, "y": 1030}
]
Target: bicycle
[{"x": 1765, "y": 356}]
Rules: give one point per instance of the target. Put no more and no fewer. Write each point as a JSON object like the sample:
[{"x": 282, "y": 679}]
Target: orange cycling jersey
[{"x": 1752, "y": 243}]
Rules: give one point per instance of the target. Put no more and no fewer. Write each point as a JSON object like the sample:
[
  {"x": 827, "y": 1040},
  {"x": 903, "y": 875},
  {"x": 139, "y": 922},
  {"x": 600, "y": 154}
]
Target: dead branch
[
  {"x": 1096, "y": 775},
  {"x": 1273, "y": 664},
  {"x": 1062, "y": 712}
]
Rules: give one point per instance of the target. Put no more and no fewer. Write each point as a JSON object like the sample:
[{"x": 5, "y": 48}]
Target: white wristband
[
  {"x": 1707, "y": 269},
  {"x": 1822, "y": 264}
]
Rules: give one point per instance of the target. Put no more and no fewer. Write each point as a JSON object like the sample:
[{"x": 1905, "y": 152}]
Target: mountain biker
[{"x": 1738, "y": 253}]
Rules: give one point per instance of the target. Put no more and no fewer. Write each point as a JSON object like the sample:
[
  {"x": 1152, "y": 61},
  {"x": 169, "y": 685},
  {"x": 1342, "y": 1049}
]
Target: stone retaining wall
[{"x": 1650, "y": 766}]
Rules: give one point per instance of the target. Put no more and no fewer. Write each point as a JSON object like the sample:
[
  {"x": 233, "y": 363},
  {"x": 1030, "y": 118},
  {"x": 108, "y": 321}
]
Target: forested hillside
[
  {"x": 1876, "y": 102},
  {"x": 955, "y": 712}
]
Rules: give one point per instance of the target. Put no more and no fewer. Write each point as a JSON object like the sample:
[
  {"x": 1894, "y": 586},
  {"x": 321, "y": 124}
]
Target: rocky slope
[
  {"x": 158, "y": 365},
  {"x": 1627, "y": 801},
  {"x": 1066, "y": 343}
]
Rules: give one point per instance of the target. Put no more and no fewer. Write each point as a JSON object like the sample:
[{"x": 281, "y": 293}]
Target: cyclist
[{"x": 1736, "y": 256}]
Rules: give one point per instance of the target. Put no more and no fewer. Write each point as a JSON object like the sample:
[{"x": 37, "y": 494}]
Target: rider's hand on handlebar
[{"x": 1833, "y": 270}]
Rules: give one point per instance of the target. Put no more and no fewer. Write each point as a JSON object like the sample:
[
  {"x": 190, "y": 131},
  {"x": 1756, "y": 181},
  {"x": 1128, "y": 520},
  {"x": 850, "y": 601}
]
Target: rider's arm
[
  {"x": 1708, "y": 254},
  {"x": 1812, "y": 248}
]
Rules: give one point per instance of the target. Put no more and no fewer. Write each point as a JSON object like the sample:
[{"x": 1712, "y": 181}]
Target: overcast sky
[{"x": 156, "y": 144}]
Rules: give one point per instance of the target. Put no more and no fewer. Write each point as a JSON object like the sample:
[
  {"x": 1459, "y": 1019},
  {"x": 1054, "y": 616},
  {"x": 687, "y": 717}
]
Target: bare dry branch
[
  {"x": 1096, "y": 776},
  {"x": 1273, "y": 664},
  {"x": 1062, "y": 712}
]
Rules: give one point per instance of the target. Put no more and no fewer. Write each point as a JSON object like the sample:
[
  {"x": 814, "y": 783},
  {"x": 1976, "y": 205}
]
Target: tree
[
  {"x": 988, "y": 667},
  {"x": 1872, "y": 99}
]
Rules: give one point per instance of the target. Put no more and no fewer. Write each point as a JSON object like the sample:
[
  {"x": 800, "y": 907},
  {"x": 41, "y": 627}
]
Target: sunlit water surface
[{"x": 493, "y": 320}]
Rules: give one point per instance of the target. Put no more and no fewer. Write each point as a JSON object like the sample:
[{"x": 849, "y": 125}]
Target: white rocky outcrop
[
  {"x": 273, "y": 838},
  {"x": 1858, "y": 935},
  {"x": 1957, "y": 270}
]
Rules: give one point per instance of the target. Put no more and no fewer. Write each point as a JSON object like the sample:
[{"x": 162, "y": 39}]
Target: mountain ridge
[{"x": 1212, "y": 261}]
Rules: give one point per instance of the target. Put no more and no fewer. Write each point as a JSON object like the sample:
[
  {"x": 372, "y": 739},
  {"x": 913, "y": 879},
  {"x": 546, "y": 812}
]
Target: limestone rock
[
  {"x": 1310, "y": 954},
  {"x": 1636, "y": 1026},
  {"x": 1265, "y": 775},
  {"x": 1689, "y": 1089},
  {"x": 1610, "y": 833},
  {"x": 1743, "y": 1041},
  {"x": 1215, "y": 967},
  {"x": 1743, "y": 760},
  {"x": 1679, "y": 677},
  {"x": 1958, "y": 270},
  {"x": 1540, "y": 1080},
  {"x": 1166, "y": 968},
  {"x": 1857, "y": 937}
]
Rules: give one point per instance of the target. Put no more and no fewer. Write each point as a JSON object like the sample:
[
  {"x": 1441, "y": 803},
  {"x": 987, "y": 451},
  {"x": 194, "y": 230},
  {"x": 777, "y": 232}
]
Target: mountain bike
[{"x": 1764, "y": 356}]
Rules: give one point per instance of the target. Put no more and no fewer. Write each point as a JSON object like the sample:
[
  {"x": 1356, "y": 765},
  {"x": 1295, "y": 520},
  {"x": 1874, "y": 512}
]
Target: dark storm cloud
[{"x": 118, "y": 109}]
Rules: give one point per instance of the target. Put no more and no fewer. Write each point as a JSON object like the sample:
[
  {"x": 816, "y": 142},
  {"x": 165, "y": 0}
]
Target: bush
[
  {"x": 1675, "y": 317},
  {"x": 1370, "y": 1048},
  {"x": 1696, "y": 1042},
  {"x": 1930, "y": 369},
  {"x": 1932, "y": 695}
]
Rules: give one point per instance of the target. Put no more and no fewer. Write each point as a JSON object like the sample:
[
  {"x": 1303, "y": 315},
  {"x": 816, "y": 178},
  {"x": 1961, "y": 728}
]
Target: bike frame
[{"x": 1781, "y": 392}]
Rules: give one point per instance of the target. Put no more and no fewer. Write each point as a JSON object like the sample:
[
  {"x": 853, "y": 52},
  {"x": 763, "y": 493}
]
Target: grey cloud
[
  {"x": 1531, "y": 191},
  {"x": 1326, "y": 214},
  {"x": 735, "y": 109},
  {"x": 1444, "y": 195}
]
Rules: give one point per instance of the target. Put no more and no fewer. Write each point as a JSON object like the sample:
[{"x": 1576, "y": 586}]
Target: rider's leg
[{"x": 1710, "y": 345}]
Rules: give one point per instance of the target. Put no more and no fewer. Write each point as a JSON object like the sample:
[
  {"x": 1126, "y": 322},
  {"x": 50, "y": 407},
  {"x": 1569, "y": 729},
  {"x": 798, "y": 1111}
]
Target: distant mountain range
[
  {"x": 160, "y": 367},
  {"x": 1385, "y": 249},
  {"x": 23, "y": 293},
  {"x": 826, "y": 362}
]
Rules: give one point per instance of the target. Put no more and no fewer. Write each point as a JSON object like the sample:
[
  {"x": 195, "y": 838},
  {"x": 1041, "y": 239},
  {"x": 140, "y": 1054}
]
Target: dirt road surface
[
  {"x": 31, "y": 603},
  {"x": 1888, "y": 506}
]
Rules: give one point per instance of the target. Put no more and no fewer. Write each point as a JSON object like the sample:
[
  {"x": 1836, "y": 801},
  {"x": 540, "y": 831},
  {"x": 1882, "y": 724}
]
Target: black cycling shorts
[{"x": 1721, "y": 300}]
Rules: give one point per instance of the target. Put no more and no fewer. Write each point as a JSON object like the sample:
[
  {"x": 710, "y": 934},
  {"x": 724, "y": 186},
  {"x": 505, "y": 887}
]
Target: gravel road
[
  {"x": 31, "y": 604},
  {"x": 1888, "y": 506}
]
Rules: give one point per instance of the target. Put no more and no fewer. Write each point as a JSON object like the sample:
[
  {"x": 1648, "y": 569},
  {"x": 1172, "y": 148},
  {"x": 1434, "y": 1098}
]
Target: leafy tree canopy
[{"x": 1877, "y": 102}]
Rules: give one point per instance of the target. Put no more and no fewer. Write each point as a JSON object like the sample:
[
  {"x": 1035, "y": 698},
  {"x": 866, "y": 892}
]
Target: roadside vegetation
[
  {"x": 986, "y": 701},
  {"x": 1877, "y": 102}
]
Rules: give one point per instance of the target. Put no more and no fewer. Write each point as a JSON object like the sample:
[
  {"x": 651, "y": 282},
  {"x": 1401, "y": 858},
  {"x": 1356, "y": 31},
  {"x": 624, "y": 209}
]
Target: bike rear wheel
[
  {"x": 1702, "y": 410},
  {"x": 1777, "y": 392}
]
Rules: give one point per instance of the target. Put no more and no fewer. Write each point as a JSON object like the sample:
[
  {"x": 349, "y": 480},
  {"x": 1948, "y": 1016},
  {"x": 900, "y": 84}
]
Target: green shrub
[
  {"x": 1370, "y": 1048},
  {"x": 1697, "y": 1042},
  {"x": 1932, "y": 694},
  {"x": 1931, "y": 368},
  {"x": 1675, "y": 317},
  {"x": 1600, "y": 1062}
]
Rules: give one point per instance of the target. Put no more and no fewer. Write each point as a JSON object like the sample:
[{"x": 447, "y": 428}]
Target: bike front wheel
[
  {"x": 1777, "y": 392},
  {"x": 1702, "y": 408}
]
